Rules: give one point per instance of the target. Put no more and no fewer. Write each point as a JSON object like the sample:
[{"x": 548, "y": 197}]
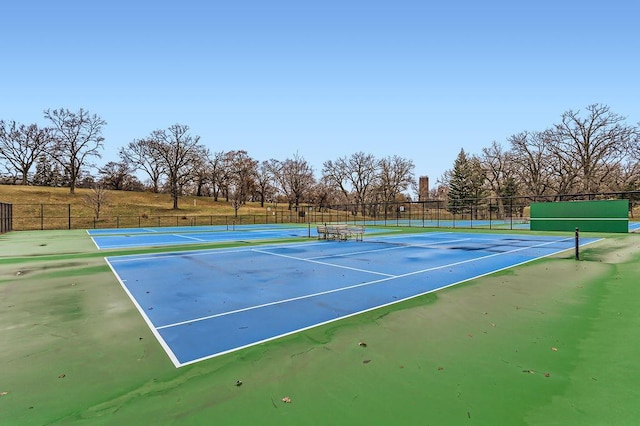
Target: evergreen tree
[
  {"x": 466, "y": 183},
  {"x": 43, "y": 175},
  {"x": 459, "y": 183}
]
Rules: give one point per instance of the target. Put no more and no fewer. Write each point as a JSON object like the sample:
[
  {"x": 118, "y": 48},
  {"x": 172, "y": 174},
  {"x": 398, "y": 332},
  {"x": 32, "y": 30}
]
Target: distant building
[{"x": 423, "y": 188}]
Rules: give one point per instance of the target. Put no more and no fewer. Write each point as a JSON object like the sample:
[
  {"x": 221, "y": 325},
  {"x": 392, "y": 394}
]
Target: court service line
[
  {"x": 368, "y": 283},
  {"x": 189, "y": 238},
  {"x": 192, "y": 253},
  {"x": 388, "y": 248},
  {"x": 322, "y": 263}
]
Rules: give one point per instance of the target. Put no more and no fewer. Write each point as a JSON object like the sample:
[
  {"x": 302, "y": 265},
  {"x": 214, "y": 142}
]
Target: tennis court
[
  {"x": 204, "y": 303},
  {"x": 150, "y": 237},
  {"x": 182, "y": 235}
]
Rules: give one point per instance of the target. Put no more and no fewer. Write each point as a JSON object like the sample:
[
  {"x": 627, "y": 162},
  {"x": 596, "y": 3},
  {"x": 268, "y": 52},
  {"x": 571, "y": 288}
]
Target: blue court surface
[
  {"x": 205, "y": 303},
  {"x": 151, "y": 237},
  {"x": 183, "y": 235}
]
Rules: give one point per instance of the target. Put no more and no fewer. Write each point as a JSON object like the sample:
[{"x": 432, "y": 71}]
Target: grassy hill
[
  {"x": 120, "y": 202},
  {"x": 31, "y": 203}
]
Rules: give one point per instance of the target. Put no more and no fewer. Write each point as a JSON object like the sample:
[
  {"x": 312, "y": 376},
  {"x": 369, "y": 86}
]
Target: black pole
[{"x": 577, "y": 244}]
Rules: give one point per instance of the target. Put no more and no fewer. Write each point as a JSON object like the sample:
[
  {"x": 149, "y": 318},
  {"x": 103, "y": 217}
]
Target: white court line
[
  {"x": 95, "y": 243},
  {"x": 322, "y": 263},
  {"x": 154, "y": 330},
  {"x": 340, "y": 318},
  {"x": 368, "y": 283},
  {"x": 208, "y": 252},
  {"x": 386, "y": 248},
  {"x": 189, "y": 238}
]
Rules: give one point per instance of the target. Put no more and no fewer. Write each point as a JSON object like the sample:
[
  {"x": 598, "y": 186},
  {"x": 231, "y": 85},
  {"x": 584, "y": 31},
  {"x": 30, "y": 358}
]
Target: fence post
[
  {"x": 489, "y": 213},
  {"x": 511, "y": 212},
  {"x": 69, "y": 214}
]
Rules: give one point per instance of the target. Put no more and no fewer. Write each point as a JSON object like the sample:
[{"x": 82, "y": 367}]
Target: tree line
[
  {"x": 586, "y": 152},
  {"x": 174, "y": 161}
]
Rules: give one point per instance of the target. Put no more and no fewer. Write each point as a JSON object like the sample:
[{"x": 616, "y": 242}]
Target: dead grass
[{"x": 121, "y": 203}]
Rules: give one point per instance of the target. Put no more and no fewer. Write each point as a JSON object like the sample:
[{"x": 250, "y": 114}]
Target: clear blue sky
[{"x": 325, "y": 79}]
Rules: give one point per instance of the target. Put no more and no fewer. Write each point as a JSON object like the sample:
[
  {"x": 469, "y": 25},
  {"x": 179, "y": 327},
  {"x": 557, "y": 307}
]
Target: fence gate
[{"x": 6, "y": 217}]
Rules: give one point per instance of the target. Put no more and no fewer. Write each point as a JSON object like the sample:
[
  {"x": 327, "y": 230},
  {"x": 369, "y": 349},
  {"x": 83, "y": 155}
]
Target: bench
[{"x": 340, "y": 232}]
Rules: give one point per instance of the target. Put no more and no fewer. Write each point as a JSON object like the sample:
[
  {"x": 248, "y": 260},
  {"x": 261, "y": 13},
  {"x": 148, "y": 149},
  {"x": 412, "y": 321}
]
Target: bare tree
[
  {"x": 96, "y": 199},
  {"x": 395, "y": 177},
  {"x": 118, "y": 175},
  {"x": 22, "y": 145},
  {"x": 334, "y": 175},
  {"x": 202, "y": 171},
  {"x": 593, "y": 145},
  {"x": 264, "y": 183},
  {"x": 532, "y": 157},
  {"x": 357, "y": 174},
  {"x": 242, "y": 175},
  {"x": 324, "y": 195},
  {"x": 218, "y": 174},
  {"x": 294, "y": 177},
  {"x": 139, "y": 154},
  {"x": 78, "y": 136},
  {"x": 498, "y": 166},
  {"x": 176, "y": 151}
]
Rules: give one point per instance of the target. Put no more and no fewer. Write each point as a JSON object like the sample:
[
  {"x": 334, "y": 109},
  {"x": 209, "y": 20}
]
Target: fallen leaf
[
  {"x": 3, "y": 393},
  {"x": 554, "y": 349},
  {"x": 547, "y": 375},
  {"x": 366, "y": 361},
  {"x": 440, "y": 368},
  {"x": 287, "y": 400},
  {"x": 363, "y": 344},
  {"x": 62, "y": 376},
  {"x": 239, "y": 383}
]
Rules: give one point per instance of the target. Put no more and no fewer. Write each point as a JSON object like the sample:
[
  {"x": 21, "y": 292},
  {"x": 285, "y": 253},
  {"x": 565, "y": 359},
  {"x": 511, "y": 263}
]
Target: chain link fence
[{"x": 487, "y": 213}]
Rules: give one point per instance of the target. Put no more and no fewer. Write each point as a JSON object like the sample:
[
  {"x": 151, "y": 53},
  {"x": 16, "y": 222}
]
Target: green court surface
[{"x": 550, "y": 342}]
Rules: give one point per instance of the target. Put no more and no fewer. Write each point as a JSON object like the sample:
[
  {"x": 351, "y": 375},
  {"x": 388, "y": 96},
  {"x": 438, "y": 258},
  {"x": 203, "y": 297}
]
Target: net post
[{"x": 577, "y": 244}]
